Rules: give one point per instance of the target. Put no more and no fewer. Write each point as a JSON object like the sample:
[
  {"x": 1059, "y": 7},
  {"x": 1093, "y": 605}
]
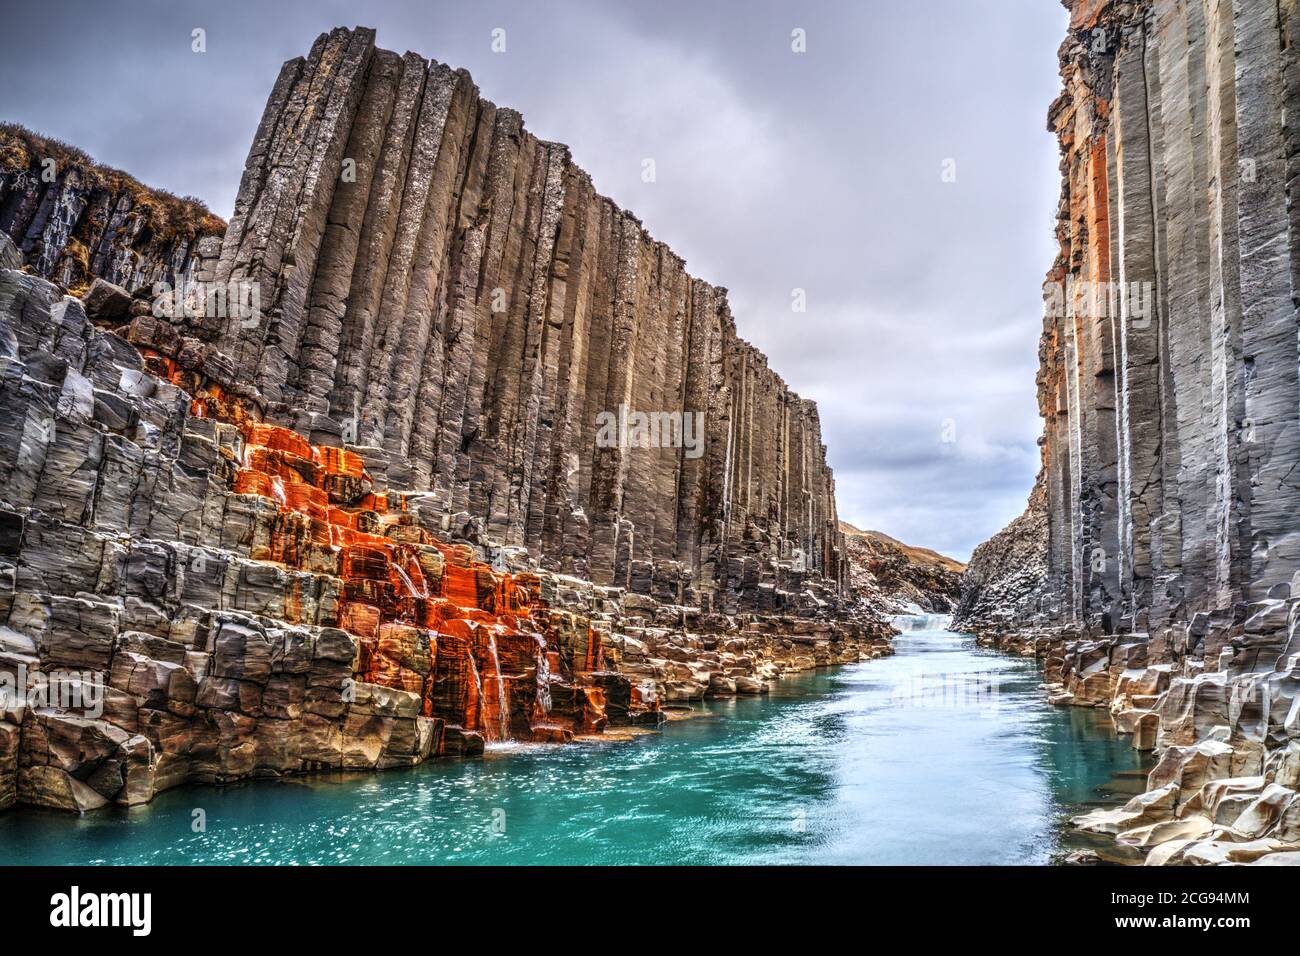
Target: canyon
[
  {"x": 1154, "y": 571},
  {"x": 323, "y": 488},
  {"x": 336, "y": 485}
]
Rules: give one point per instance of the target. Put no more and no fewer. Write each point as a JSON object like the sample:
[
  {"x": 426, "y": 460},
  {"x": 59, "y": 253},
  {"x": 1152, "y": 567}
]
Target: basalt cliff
[
  {"x": 73, "y": 220},
  {"x": 432, "y": 446},
  {"x": 1168, "y": 385}
]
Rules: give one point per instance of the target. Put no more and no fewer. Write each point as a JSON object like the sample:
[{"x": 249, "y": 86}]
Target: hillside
[{"x": 885, "y": 568}]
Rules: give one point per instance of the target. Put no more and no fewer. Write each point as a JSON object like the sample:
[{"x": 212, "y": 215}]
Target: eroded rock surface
[
  {"x": 440, "y": 287},
  {"x": 898, "y": 577},
  {"x": 1004, "y": 584},
  {"x": 1170, "y": 393}
]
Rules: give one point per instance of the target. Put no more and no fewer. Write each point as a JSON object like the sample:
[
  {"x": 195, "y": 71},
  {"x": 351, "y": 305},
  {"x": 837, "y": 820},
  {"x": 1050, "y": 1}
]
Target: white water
[
  {"x": 501, "y": 688},
  {"x": 478, "y": 682},
  {"x": 410, "y": 585},
  {"x": 918, "y": 619}
]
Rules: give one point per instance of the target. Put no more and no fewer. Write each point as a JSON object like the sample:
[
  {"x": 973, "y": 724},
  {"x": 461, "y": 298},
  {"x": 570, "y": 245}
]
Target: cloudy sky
[{"x": 776, "y": 171}]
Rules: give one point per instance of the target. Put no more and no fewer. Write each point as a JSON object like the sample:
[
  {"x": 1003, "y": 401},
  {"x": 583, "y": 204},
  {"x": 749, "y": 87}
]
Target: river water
[{"x": 945, "y": 753}]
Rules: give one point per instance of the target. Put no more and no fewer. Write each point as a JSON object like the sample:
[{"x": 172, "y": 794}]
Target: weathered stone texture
[
  {"x": 227, "y": 599},
  {"x": 1003, "y": 585},
  {"x": 1169, "y": 385},
  {"x": 73, "y": 220},
  {"x": 369, "y": 522},
  {"x": 890, "y": 575}
]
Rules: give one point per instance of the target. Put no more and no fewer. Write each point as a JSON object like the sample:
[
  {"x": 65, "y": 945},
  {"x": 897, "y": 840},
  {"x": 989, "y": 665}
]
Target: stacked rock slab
[
  {"x": 74, "y": 220},
  {"x": 1169, "y": 390},
  {"x": 449, "y": 294}
]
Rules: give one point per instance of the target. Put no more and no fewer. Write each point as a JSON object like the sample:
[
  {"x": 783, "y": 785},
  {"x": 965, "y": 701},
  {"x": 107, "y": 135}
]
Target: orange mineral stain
[{"x": 429, "y": 618}]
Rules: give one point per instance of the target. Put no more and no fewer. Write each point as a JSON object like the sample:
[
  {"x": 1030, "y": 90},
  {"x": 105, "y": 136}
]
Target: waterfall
[
  {"x": 918, "y": 619},
  {"x": 543, "y": 683},
  {"x": 478, "y": 685},
  {"x": 410, "y": 585},
  {"x": 504, "y": 719}
]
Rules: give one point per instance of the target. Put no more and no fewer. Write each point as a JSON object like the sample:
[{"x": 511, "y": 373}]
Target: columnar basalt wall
[
  {"x": 1170, "y": 396},
  {"x": 73, "y": 220},
  {"x": 446, "y": 292},
  {"x": 189, "y": 593},
  {"x": 1168, "y": 383},
  {"x": 338, "y": 500}
]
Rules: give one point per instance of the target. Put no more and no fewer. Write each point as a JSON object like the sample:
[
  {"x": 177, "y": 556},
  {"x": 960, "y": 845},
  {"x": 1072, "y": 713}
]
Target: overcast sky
[{"x": 776, "y": 171}]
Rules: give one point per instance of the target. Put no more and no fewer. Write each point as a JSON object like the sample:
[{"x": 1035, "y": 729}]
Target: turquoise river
[{"x": 945, "y": 753}]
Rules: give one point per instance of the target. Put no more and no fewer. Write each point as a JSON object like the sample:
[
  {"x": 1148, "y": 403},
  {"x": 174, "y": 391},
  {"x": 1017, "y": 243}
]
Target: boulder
[{"x": 106, "y": 302}]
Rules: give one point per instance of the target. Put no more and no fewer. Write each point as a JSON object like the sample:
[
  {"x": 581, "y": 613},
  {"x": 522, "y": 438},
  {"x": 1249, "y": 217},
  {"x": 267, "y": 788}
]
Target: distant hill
[{"x": 919, "y": 555}]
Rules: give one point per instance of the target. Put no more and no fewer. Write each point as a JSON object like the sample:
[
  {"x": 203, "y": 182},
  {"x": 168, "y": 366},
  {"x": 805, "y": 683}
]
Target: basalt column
[
  {"x": 1168, "y": 381},
  {"x": 72, "y": 220},
  {"x": 450, "y": 296}
]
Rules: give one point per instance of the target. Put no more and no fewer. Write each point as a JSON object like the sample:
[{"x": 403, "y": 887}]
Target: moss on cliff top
[{"x": 169, "y": 217}]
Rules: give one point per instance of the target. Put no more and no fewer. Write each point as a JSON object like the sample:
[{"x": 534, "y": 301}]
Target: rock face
[
  {"x": 73, "y": 219},
  {"x": 1003, "y": 586},
  {"x": 1170, "y": 394},
  {"x": 898, "y": 577},
  {"x": 443, "y": 289},
  {"x": 1168, "y": 384},
  {"x": 328, "y": 508}
]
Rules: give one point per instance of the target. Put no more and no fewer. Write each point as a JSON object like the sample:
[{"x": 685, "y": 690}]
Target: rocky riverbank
[
  {"x": 193, "y": 595},
  {"x": 1226, "y": 788}
]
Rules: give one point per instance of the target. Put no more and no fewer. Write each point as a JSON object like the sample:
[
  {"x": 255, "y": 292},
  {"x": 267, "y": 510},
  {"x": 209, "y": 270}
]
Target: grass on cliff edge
[{"x": 168, "y": 216}]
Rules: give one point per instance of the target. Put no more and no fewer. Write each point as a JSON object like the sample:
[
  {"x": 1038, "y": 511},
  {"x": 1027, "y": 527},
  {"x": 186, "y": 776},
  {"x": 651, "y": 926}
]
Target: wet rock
[
  {"x": 1146, "y": 808},
  {"x": 45, "y": 786}
]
